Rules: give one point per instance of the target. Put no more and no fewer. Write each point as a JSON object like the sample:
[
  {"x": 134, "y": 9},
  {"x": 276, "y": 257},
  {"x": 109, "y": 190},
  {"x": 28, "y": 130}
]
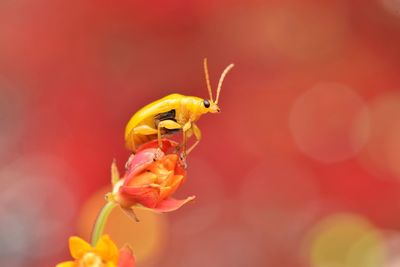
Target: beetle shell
[{"x": 185, "y": 108}]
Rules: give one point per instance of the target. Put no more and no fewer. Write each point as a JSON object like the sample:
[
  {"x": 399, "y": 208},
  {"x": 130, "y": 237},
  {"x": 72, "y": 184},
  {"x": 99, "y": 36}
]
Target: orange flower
[
  {"x": 152, "y": 176},
  {"x": 104, "y": 254}
]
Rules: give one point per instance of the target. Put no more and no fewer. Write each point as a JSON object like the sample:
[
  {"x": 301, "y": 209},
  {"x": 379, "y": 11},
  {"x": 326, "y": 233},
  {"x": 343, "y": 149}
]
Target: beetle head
[
  {"x": 211, "y": 105},
  {"x": 214, "y": 108}
]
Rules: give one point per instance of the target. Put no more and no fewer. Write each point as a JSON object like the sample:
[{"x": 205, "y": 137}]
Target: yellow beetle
[{"x": 171, "y": 114}]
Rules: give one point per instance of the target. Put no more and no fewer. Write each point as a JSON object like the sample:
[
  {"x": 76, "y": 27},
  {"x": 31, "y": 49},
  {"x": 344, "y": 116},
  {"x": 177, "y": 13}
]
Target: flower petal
[
  {"x": 144, "y": 178},
  {"x": 126, "y": 258},
  {"x": 177, "y": 181},
  {"x": 171, "y": 204},
  {"x": 114, "y": 173},
  {"x": 165, "y": 192},
  {"x": 78, "y": 247},
  {"x": 106, "y": 249},
  {"x": 146, "y": 195},
  {"x": 66, "y": 264}
]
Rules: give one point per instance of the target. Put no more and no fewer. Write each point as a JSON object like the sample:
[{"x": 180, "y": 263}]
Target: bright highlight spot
[
  {"x": 392, "y": 240},
  {"x": 392, "y": 6},
  {"x": 329, "y": 122},
  {"x": 36, "y": 209},
  {"x": 346, "y": 240}
]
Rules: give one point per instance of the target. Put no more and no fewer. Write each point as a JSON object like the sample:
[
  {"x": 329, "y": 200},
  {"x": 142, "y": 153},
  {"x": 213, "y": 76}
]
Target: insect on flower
[{"x": 172, "y": 114}]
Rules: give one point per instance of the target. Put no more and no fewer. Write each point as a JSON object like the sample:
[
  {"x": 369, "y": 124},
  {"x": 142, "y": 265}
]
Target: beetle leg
[
  {"x": 187, "y": 126},
  {"x": 197, "y": 134},
  {"x": 189, "y": 133},
  {"x": 130, "y": 143},
  {"x": 185, "y": 135},
  {"x": 168, "y": 124}
]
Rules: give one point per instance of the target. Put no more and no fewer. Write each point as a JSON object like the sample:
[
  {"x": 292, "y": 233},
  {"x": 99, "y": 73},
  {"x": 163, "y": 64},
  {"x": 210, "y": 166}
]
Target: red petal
[
  {"x": 145, "y": 195},
  {"x": 126, "y": 258},
  {"x": 171, "y": 204}
]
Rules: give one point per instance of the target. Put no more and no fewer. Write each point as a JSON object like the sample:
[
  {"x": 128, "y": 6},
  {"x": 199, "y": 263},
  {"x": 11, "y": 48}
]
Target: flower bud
[{"x": 153, "y": 175}]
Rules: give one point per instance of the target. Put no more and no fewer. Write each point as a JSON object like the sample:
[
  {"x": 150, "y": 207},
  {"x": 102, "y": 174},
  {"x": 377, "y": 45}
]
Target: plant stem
[{"x": 101, "y": 221}]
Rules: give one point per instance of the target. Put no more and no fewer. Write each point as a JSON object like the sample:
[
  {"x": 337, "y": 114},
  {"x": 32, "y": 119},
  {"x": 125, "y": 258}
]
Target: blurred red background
[{"x": 301, "y": 168}]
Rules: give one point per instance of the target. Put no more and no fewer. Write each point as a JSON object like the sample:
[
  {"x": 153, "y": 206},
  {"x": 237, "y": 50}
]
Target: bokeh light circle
[
  {"x": 382, "y": 151},
  {"x": 345, "y": 240},
  {"x": 206, "y": 208},
  {"x": 147, "y": 238},
  {"x": 223, "y": 245},
  {"x": 270, "y": 205},
  {"x": 392, "y": 244},
  {"x": 259, "y": 119},
  {"x": 299, "y": 31},
  {"x": 12, "y": 105},
  {"x": 306, "y": 32},
  {"x": 391, "y": 6},
  {"x": 326, "y": 122},
  {"x": 37, "y": 207}
]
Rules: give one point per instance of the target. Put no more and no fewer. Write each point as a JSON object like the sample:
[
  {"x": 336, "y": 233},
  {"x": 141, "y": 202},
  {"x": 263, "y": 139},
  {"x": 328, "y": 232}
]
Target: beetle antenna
[
  {"x": 226, "y": 70},
  {"x": 208, "y": 79}
]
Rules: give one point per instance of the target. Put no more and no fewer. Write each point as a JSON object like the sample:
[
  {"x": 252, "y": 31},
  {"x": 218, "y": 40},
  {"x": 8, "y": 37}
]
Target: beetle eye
[{"x": 206, "y": 103}]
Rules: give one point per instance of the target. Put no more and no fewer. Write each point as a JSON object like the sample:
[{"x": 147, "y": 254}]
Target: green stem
[{"x": 101, "y": 222}]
